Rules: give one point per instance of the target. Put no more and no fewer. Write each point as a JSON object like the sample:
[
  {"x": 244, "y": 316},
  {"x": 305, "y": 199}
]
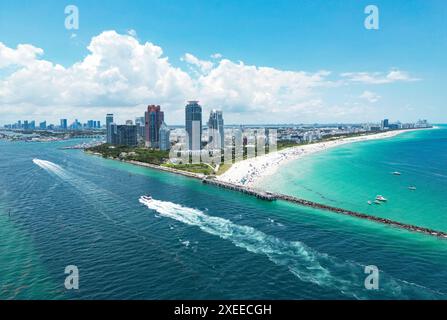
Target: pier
[
  {"x": 270, "y": 196},
  {"x": 258, "y": 194}
]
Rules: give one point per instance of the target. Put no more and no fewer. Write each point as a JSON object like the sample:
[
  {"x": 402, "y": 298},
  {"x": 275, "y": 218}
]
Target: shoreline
[{"x": 250, "y": 172}]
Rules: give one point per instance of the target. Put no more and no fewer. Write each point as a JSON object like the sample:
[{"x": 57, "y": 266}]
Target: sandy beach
[{"x": 251, "y": 171}]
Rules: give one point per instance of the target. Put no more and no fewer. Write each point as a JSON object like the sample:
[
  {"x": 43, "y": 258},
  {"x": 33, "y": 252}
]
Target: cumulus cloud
[
  {"x": 122, "y": 75},
  {"x": 203, "y": 65},
  {"x": 23, "y": 55},
  {"x": 370, "y": 96},
  {"x": 378, "y": 77},
  {"x": 216, "y": 56}
]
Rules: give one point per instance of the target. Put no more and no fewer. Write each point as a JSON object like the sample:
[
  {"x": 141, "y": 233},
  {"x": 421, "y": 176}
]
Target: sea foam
[{"x": 302, "y": 261}]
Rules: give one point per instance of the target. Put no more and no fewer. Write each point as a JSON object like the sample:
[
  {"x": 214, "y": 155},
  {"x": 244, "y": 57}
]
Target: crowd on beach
[{"x": 250, "y": 172}]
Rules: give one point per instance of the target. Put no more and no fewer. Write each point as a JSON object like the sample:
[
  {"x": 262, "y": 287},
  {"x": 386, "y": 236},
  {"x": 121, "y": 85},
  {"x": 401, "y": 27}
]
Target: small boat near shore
[
  {"x": 397, "y": 173},
  {"x": 377, "y": 202},
  {"x": 381, "y": 198},
  {"x": 412, "y": 188}
]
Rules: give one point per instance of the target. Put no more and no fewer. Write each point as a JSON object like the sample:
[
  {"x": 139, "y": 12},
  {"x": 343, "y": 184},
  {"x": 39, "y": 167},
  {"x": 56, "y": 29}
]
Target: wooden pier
[{"x": 270, "y": 196}]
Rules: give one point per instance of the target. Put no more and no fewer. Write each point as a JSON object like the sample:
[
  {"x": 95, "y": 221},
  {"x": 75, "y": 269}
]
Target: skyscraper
[
  {"x": 385, "y": 124},
  {"x": 193, "y": 125},
  {"x": 164, "y": 134},
  {"x": 140, "y": 123},
  {"x": 64, "y": 124},
  {"x": 43, "y": 125},
  {"x": 125, "y": 135},
  {"x": 216, "y": 135},
  {"x": 109, "y": 121},
  {"x": 153, "y": 119}
]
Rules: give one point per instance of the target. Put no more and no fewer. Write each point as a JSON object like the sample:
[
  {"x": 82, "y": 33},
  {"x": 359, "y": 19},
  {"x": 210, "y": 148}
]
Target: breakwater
[{"x": 270, "y": 196}]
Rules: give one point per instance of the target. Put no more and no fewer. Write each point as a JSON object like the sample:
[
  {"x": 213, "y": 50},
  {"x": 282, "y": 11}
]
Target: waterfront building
[
  {"x": 385, "y": 124},
  {"x": 109, "y": 121},
  {"x": 140, "y": 123},
  {"x": 153, "y": 117},
  {"x": 216, "y": 134},
  {"x": 123, "y": 135},
  {"x": 64, "y": 124},
  {"x": 164, "y": 135},
  {"x": 193, "y": 125},
  {"x": 43, "y": 125}
]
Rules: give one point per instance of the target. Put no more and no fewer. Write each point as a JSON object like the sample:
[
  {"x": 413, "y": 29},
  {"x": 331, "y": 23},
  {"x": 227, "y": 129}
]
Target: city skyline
[{"x": 393, "y": 72}]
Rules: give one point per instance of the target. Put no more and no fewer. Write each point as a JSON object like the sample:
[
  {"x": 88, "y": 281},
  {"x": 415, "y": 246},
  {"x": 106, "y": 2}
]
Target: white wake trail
[{"x": 305, "y": 263}]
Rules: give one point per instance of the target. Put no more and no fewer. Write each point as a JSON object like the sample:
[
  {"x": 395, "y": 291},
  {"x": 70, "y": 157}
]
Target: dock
[{"x": 271, "y": 196}]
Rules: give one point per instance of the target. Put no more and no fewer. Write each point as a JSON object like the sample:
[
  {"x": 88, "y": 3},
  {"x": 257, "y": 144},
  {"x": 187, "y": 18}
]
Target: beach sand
[{"x": 249, "y": 172}]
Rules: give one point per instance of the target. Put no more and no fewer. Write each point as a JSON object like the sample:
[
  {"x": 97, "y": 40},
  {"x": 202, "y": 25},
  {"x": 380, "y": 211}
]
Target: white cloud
[
  {"x": 122, "y": 75},
  {"x": 203, "y": 65},
  {"x": 216, "y": 56},
  {"x": 23, "y": 55},
  {"x": 379, "y": 77},
  {"x": 370, "y": 96}
]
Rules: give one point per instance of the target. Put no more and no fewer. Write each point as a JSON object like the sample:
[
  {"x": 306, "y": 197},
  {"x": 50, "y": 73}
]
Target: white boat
[
  {"x": 377, "y": 202},
  {"x": 396, "y": 173},
  {"x": 381, "y": 198},
  {"x": 146, "y": 198},
  {"x": 412, "y": 187},
  {"x": 369, "y": 202}
]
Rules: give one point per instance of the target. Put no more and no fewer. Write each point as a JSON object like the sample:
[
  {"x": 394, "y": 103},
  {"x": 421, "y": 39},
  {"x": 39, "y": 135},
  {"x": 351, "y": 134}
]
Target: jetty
[
  {"x": 271, "y": 196},
  {"x": 264, "y": 195}
]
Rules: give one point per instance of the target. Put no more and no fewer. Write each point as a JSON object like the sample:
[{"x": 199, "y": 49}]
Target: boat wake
[
  {"x": 51, "y": 167},
  {"x": 304, "y": 262}
]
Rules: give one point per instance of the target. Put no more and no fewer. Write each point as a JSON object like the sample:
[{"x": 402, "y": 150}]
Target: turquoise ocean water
[{"x": 203, "y": 242}]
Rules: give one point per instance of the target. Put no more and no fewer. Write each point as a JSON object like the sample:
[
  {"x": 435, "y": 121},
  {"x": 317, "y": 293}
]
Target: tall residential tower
[
  {"x": 216, "y": 135},
  {"x": 153, "y": 119},
  {"x": 193, "y": 125}
]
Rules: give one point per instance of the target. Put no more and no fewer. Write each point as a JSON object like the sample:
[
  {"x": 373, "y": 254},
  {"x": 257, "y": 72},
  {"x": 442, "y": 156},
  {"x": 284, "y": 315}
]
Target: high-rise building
[
  {"x": 385, "y": 124},
  {"x": 140, "y": 123},
  {"x": 153, "y": 117},
  {"x": 109, "y": 121},
  {"x": 43, "y": 125},
  {"x": 216, "y": 134},
  {"x": 125, "y": 135},
  {"x": 64, "y": 124},
  {"x": 164, "y": 135},
  {"x": 193, "y": 125}
]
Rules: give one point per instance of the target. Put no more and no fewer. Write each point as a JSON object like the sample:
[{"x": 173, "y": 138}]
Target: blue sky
[{"x": 289, "y": 36}]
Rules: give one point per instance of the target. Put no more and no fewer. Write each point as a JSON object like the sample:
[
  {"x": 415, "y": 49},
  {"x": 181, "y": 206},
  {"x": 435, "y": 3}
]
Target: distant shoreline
[{"x": 251, "y": 172}]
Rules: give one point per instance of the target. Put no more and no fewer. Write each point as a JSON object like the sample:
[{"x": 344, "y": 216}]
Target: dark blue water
[{"x": 203, "y": 242}]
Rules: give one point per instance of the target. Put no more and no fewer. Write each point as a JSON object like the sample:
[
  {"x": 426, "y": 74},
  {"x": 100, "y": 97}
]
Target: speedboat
[
  {"x": 377, "y": 202},
  {"x": 147, "y": 197},
  {"x": 369, "y": 202},
  {"x": 412, "y": 187},
  {"x": 396, "y": 173},
  {"x": 381, "y": 198}
]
